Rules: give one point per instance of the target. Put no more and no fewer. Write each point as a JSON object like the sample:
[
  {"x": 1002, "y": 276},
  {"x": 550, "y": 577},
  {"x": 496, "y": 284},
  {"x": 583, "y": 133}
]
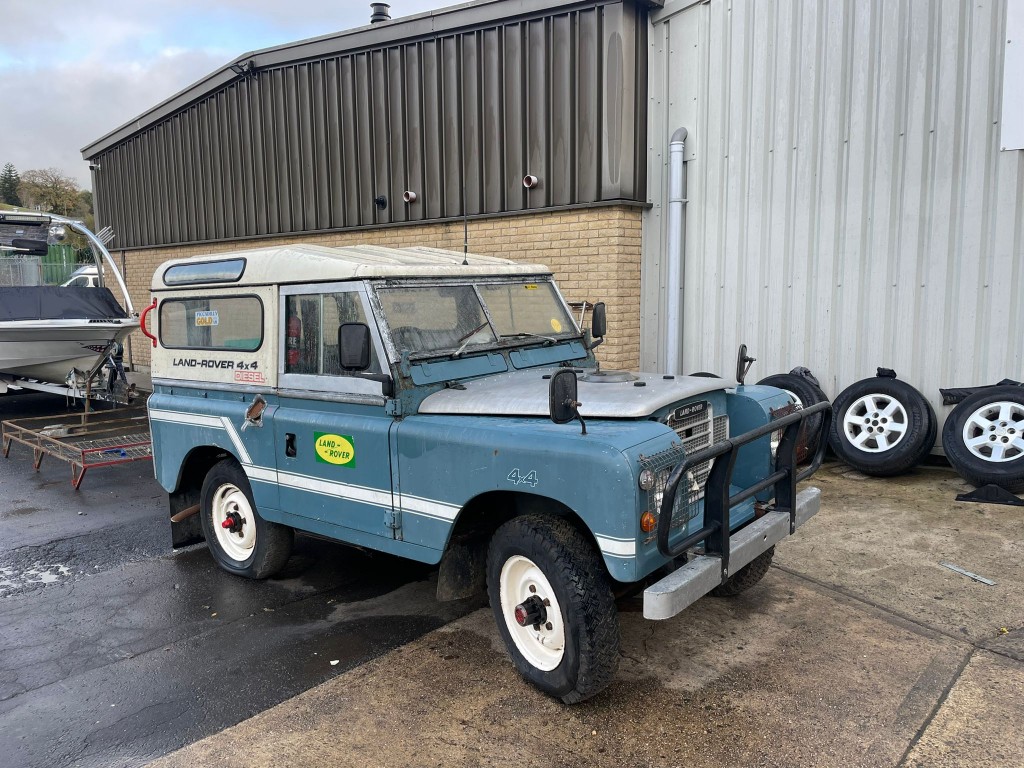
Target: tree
[
  {"x": 9, "y": 181},
  {"x": 50, "y": 190}
]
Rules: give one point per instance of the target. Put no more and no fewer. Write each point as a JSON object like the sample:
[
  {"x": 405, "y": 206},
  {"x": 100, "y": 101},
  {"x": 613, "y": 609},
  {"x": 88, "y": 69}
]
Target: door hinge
[
  {"x": 393, "y": 407},
  {"x": 393, "y": 520}
]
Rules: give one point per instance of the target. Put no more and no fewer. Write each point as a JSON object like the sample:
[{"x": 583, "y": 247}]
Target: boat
[{"x": 59, "y": 338}]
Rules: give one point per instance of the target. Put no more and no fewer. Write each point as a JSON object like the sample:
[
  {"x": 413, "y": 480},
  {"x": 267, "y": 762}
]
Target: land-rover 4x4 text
[{"x": 454, "y": 413}]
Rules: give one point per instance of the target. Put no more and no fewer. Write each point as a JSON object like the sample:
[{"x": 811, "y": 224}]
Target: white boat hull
[{"x": 47, "y": 350}]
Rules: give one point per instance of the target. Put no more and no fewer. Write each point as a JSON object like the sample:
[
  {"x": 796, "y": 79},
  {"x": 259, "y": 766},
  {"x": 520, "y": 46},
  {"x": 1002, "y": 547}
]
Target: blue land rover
[{"x": 450, "y": 409}]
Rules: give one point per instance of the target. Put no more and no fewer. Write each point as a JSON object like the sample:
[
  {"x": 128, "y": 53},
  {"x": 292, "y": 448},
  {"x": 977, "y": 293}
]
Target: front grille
[{"x": 696, "y": 431}]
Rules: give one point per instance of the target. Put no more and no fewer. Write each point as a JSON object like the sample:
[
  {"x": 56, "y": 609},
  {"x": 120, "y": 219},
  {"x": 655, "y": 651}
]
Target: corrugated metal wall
[
  {"x": 308, "y": 146},
  {"x": 849, "y": 205}
]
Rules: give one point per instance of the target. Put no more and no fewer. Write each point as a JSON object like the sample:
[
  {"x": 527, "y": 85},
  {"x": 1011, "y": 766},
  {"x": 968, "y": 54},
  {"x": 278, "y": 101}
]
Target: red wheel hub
[
  {"x": 530, "y": 611},
  {"x": 233, "y": 522}
]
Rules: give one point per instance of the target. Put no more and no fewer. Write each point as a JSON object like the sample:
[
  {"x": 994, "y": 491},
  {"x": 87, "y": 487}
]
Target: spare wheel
[
  {"x": 803, "y": 394},
  {"x": 984, "y": 437},
  {"x": 882, "y": 426}
]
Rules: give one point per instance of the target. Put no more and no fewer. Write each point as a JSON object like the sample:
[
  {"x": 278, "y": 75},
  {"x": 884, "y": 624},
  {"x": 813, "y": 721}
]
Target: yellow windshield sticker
[
  {"x": 335, "y": 449},
  {"x": 530, "y": 287},
  {"x": 555, "y": 325}
]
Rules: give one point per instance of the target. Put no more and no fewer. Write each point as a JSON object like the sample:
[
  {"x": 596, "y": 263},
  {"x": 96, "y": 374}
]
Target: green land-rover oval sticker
[{"x": 335, "y": 449}]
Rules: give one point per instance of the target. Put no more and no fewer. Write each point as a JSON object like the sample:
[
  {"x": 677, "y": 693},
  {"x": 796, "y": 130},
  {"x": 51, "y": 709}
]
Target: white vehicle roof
[{"x": 303, "y": 263}]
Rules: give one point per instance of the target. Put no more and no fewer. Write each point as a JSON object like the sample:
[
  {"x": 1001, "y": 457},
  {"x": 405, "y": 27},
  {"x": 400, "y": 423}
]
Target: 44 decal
[{"x": 516, "y": 477}]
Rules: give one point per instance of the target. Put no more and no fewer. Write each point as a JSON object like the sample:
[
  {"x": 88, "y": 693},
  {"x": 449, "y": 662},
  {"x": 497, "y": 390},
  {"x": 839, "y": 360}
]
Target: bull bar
[{"x": 725, "y": 552}]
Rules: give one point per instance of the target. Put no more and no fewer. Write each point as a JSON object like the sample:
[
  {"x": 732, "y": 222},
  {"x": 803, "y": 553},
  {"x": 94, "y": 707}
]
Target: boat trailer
[{"x": 87, "y": 441}]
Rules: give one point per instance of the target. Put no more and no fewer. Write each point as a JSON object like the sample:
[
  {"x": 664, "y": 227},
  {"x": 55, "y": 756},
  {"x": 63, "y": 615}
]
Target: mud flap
[{"x": 188, "y": 529}]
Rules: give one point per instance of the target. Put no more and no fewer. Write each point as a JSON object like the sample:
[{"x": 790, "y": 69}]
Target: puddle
[
  {"x": 22, "y": 511},
  {"x": 12, "y": 579}
]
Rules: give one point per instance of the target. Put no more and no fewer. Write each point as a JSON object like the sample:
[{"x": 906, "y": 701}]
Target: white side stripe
[
  {"x": 261, "y": 474},
  {"x": 357, "y": 493},
  {"x": 430, "y": 508},
  {"x": 195, "y": 419},
  {"x": 236, "y": 438},
  {"x": 616, "y": 547},
  {"x": 414, "y": 505}
]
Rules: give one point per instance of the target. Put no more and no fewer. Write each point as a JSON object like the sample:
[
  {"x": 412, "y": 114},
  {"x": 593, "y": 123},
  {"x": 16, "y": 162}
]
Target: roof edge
[{"x": 368, "y": 36}]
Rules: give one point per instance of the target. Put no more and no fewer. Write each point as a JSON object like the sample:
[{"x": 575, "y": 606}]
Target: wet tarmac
[{"x": 114, "y": 650}]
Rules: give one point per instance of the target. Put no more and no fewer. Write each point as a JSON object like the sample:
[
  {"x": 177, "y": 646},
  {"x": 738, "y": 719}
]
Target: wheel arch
[{"x": 462, "y": 570}]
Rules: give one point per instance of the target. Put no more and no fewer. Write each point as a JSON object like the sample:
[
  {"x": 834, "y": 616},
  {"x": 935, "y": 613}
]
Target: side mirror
[
  {"x": 354, "y": 346},
  {"x": 743, "y": 363},
  {"x": 33, "y": 247},
  {"x": 599, "y": 322},
  {"x": 563, "y": 403}
]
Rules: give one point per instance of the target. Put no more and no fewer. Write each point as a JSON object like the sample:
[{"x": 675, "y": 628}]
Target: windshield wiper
[
  {"x": 465, "y": 339},
  {"x": 525, "y": 335}
]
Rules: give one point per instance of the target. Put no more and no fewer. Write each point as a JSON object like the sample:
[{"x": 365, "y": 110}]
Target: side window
[
  {"x": 311, "y": 332},
  {"x": 212, "y": 322}
]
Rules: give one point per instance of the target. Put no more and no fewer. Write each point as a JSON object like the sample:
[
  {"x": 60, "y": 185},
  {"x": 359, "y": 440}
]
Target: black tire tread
[
  {"x": 969, "y": 467},
  {"x": 576, "y": 564},
  {"x": 914, "y": 446},
  {"x": 748, "y": 576}
]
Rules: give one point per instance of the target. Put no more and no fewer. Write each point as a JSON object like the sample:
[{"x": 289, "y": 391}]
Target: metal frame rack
[{"x": 88, "y": 441}]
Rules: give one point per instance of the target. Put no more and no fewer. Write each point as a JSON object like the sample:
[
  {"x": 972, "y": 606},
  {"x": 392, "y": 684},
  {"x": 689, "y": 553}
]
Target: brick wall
[{"x": 594, "y": 254}]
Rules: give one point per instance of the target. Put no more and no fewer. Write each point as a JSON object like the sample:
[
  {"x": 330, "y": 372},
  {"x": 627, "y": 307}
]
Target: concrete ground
[{"x": 857, "y": 649}]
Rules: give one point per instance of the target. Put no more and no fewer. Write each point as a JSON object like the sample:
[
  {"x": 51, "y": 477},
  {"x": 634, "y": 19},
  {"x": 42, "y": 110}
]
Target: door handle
[{"x": 289, "y": 445}]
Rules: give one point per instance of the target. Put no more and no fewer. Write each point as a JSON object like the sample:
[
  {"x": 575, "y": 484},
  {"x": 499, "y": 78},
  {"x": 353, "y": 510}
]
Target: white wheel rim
[
  {"x": 542, "y": 647},
  {"x": 995, "y": 432},
  {"x": 228, "y": 500},
  {"x": 875, "y": 423}
]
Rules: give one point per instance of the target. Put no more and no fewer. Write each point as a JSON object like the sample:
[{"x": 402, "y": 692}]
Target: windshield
[{"x": 455, "y": 317}]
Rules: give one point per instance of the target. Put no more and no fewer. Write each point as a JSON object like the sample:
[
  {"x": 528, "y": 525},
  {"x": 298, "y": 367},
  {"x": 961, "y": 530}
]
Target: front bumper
[{"x": 701, "y": 574}]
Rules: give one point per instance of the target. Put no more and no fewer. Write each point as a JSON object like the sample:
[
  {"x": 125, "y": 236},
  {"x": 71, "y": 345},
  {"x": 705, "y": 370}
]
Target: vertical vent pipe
[
  {"x": 379, "y": 13},
  {"x": 674, "y": 252}
]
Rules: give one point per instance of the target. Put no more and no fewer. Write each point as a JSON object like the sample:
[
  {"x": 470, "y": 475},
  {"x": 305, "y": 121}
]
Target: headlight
[{"x": 646, "y": 480}]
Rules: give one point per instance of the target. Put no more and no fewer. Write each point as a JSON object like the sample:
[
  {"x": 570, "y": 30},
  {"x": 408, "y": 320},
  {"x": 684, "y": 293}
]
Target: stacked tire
[
  {"x": 804, "y": 393},
  {"x": 882, "y": 426},
  {"x": 984, "y": 437}
]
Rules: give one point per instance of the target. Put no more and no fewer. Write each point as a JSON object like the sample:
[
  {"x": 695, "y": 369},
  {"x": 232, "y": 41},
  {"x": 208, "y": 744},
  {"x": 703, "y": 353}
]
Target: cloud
[{"x": 71, "y": 72}]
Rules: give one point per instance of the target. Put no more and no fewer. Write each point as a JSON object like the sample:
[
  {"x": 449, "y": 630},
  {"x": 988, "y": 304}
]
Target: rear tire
[
  {"x": 747, "y": 576},
  {"x": 251, "y": 546},
  {"x": 573, "y": 653},
  {"x": 882, "y": 426},
  {"x": 984, "y": 437}
]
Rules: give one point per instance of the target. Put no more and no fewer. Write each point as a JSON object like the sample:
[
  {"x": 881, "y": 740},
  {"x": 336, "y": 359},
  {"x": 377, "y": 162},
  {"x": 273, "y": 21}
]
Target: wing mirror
[
  {"x": 599, "y": 322},
  {"x": 743, "y": 363},
  {"x": 598, "y": 325},
  {"x": 354, "y": 346},
  {"x": 563, "y": 402}
]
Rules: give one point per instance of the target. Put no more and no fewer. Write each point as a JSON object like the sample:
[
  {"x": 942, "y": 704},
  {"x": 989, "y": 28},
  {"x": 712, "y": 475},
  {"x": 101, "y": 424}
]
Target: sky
[{"x": 72, "y": 71}]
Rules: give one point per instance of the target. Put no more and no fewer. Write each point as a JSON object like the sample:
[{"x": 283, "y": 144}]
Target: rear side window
[{"x": 212, "y": 322}]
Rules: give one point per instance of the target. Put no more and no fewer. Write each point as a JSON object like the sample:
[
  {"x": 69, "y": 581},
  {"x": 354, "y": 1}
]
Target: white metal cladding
[{"x": 848, "y": 202}]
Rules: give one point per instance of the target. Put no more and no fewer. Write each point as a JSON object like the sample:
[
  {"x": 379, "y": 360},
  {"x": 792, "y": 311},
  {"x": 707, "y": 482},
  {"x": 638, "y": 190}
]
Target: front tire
[
  {"x": 241, "y": 541},
  {"x": 572, "y": 651}
]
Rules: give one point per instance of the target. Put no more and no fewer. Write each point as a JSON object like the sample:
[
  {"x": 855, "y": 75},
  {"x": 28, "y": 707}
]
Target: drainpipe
[{"x": 674, "y": 252}]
